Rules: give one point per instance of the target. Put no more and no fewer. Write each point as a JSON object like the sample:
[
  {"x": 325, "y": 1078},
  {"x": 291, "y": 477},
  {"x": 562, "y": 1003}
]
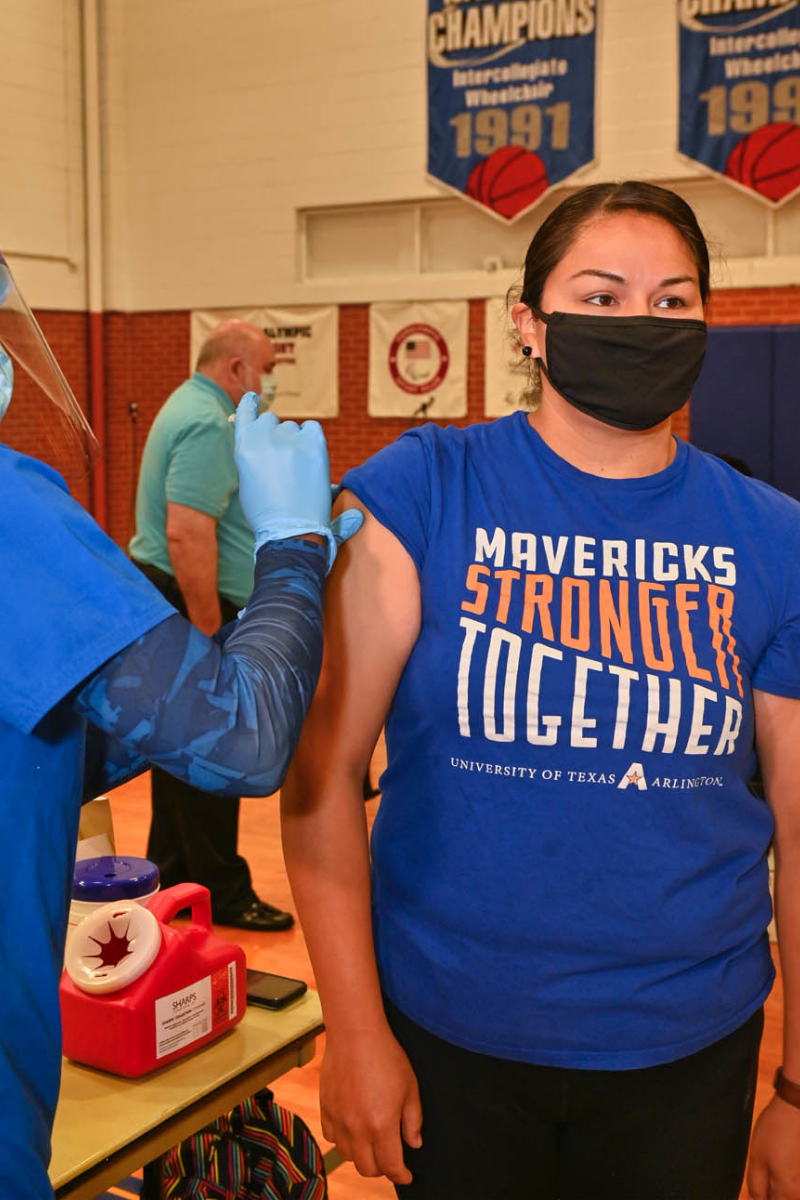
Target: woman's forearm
[
  {"x": 372, "y": 618},
  {"x": 368, "y": 1091},
  {"x": 787, "y": 913},
  {"x": 326, "y": 851}
]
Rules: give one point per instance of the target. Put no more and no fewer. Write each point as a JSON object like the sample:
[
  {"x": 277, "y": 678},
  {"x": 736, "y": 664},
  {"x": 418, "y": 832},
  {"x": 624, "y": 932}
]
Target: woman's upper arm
[
  {"x": 372, "y": 620},
  {"x": 777, "y": 722}
]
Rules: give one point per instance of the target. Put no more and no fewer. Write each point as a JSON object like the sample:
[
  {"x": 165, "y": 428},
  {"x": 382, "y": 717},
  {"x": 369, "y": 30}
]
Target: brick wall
[
  {"x": 755, "y": 306},
  {"x": 146, "y": 357},
  {"x": 353, "y": 436},
  {"x": 35, "y": 426}
]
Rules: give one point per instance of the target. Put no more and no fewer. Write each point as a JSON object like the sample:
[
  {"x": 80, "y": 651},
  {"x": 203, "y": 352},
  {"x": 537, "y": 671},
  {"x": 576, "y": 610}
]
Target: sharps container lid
[{"x": 100, "y": 880}]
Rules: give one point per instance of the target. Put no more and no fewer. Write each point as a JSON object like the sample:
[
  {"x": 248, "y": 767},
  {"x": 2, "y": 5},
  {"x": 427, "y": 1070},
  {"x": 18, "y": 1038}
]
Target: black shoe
[{"x": 257, "y": 915}]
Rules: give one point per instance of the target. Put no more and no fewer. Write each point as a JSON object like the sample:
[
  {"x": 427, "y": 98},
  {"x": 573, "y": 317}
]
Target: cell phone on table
[{"x": 273, "y": 991}]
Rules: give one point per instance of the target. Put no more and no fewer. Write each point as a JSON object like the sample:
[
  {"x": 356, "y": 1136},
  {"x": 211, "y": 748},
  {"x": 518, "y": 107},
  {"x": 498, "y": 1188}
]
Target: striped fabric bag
[{"x": 257, "y": 1151}]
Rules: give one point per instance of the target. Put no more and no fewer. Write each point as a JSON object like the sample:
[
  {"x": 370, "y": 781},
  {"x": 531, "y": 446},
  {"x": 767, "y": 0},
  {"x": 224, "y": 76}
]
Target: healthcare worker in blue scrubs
[{"x": 99, "y": 677}]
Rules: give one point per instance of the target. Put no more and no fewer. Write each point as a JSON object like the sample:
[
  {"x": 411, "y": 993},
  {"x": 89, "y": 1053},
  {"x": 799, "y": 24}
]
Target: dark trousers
[
  {"x": 500, "y": 1130},
  {"x": 194, "y": 836}
]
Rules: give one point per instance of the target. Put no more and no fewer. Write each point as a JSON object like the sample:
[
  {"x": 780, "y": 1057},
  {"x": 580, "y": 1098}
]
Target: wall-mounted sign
[
  {"x": 204, "y": 320},
  {"x": 510, "y": 97},
  {"x": 506, "y": 372},
  {"x": 306, "y": 344},
  {"x": 740, "y": 93},
  {"x": 417, "y": 360}
]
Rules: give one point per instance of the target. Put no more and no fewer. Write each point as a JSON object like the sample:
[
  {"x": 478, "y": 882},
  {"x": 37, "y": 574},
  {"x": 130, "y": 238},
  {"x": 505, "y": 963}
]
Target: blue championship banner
[
  {"x": 740, "y": 92},
  {"x": 510, "y": 97}
]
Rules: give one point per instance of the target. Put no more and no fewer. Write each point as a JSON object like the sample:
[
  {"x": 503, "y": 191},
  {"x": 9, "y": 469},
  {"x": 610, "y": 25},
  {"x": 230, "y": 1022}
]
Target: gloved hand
[{"x": 284, "y": 479}]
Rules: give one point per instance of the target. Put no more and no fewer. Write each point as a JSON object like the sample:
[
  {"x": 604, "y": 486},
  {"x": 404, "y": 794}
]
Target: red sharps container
[{"x": 138, "y": 993}]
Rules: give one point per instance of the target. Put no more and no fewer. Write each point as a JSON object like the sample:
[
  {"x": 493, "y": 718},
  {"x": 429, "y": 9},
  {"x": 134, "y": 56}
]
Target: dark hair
[
  {"x": 738, "y": 463},
  {"x": 559, "y": 230}
]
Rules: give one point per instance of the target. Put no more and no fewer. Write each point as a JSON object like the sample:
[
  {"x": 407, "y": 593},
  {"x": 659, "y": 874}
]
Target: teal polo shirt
[{"x": 188, "y": 459}]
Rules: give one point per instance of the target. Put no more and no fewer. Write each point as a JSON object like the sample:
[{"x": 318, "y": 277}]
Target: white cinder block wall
[
  {"x": 118, "y": 249},
  {"x": 41, "y": 149},
  {"x": 239, "y": 136},
  {"x": 242, "y": 114}
]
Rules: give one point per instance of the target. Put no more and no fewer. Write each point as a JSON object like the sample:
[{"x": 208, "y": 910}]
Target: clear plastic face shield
[{"x": 57, "y": 432}]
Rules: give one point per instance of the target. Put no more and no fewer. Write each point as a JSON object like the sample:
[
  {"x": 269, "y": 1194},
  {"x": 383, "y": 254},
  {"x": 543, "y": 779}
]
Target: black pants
[
  {"x": 500, "y": 1130},
  {"x": 193, "y": 836}
]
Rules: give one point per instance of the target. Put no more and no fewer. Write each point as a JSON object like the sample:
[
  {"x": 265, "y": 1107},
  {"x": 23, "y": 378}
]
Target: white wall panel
[
  {"x": 41, "y": 200},
  {"x": 242, "y": 116},
  {"x": 118, "y": 246},
  {"x": 228, "y": 129}
]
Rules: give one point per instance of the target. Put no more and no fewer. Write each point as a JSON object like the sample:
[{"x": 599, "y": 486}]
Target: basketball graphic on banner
[
  {"x": 508, "y": 181},
  {"x": 511, "y": 97},
  {"x": 768, "y": 160},
  {"x": 739, "y": 107}
]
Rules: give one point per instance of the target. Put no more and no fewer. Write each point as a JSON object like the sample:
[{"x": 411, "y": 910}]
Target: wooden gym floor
[{"x": 285, "y": 954}]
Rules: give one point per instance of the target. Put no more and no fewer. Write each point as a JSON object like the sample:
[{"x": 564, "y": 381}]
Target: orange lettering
[
  {"x": 685, "y": 606},
  {"x": 538, "y": 594},
  {"x": 720, "y": 610},
  {"x": 506, "y": 579},
  {"x": 617, "y": 622},
  {"x": 480, "y": 589},
  {"x": 569, "y": 587},
  {"x": 660, "y": 604}
]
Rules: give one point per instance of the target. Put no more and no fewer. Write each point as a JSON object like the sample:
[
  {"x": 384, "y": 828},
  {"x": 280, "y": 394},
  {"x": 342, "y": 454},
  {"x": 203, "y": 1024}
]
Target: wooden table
[{"x": 107, "y": 1126}]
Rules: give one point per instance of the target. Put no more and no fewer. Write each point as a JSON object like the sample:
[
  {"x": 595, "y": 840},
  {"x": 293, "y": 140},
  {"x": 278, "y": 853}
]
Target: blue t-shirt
[
  {"x": 70, "y": 600},
  {"x": 569, "y": 867}
]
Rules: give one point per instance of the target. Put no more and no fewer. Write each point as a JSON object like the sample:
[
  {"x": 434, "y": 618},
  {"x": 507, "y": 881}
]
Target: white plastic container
[{"x": 110, "y": 878}]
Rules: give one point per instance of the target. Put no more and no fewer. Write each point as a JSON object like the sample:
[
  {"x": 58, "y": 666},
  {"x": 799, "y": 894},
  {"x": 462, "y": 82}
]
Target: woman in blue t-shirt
[{"x": 549, "y": 981}]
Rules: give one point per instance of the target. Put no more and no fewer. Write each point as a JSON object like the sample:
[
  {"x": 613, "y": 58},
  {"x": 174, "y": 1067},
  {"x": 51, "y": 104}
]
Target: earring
[{"x": 527, "y": 351}]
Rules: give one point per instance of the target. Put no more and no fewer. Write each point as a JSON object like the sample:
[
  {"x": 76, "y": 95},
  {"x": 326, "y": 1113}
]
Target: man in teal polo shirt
[{"x": 193, "y": 542}]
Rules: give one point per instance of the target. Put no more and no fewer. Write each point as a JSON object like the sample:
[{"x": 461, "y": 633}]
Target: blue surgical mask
[
  {"x": 6, "y": 381},
  {"x": 268, "y": 389}
]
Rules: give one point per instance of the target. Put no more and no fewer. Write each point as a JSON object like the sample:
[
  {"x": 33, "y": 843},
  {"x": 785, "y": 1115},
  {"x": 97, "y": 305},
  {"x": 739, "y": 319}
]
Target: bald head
[{"x": 235, "y": 355}]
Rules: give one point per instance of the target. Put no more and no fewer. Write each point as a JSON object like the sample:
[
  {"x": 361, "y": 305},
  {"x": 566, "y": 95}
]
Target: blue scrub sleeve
[
  {"x": 223, "y": 713},
  {"x": 70, "y": 597}
]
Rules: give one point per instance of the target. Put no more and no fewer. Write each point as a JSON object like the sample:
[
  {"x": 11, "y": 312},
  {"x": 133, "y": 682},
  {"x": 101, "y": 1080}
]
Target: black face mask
[{"x": 631, "y": 372}]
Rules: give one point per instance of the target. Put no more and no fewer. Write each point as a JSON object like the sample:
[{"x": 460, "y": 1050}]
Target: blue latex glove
[{"x": 284, "y": 479}]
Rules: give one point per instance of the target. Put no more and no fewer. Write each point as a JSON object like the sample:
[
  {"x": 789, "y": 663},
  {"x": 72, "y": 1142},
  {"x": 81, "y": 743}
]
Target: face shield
[{"x": 57, "y": 432}]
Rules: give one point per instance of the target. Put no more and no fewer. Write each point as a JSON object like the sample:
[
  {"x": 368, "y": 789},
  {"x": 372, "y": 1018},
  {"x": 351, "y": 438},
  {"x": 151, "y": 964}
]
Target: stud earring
[{"x": 527, "y": 351}]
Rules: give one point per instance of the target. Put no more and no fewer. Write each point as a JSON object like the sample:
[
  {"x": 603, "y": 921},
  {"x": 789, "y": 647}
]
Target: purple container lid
[{"x": 98, "y": 880}]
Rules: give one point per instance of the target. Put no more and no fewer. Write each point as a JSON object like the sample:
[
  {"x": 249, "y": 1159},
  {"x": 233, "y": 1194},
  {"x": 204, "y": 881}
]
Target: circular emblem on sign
[{"x": 419, "y": 359}]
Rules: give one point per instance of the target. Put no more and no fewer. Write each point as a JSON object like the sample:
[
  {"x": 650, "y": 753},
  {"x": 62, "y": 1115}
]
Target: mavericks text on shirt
[{"x": 653, "y": 618}]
